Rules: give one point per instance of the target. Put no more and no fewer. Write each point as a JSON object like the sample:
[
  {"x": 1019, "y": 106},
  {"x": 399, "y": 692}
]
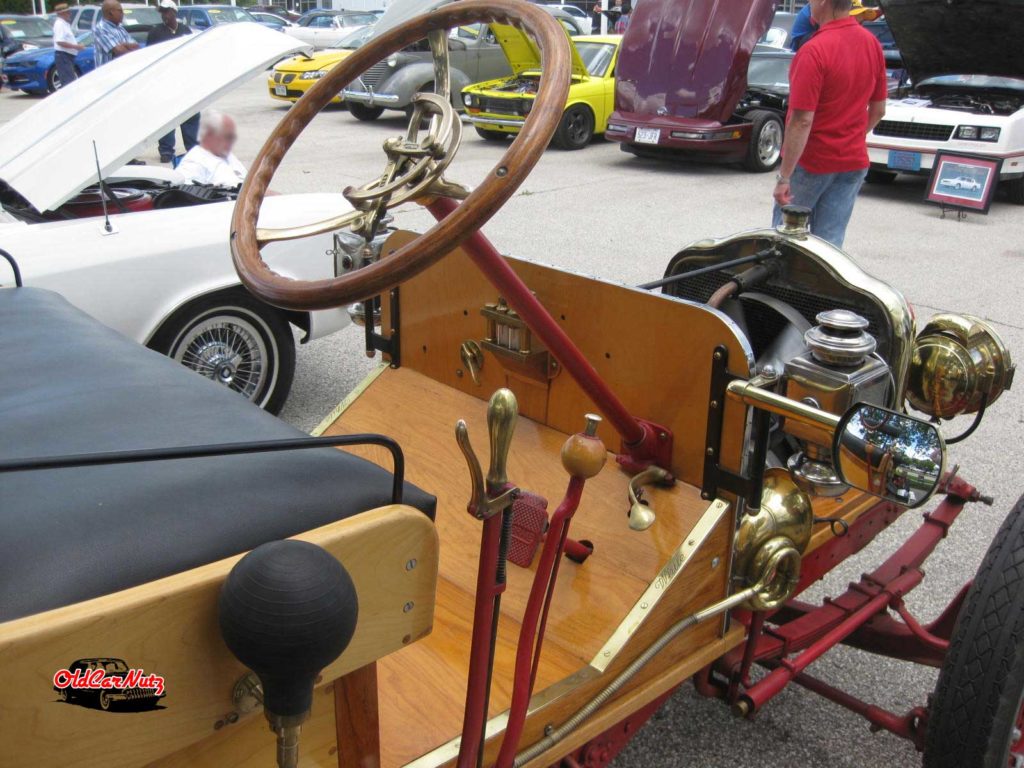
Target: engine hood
[
  {"x": 958, "y": 37},
  {"x": 46, "y": 153},
  {"x": 313, "y": 63},
  {"x": 523, "y": 54},
  {"x": 689, "y": 58}
]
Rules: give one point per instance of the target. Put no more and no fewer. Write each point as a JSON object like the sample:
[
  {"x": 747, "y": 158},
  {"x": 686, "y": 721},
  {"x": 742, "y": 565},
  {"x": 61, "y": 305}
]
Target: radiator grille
[
  {"x": 905, "y": 130},
  {"x": 374, "y": 76},
  {"x": 495, "y": 106},
  {"x": 283, "y": 78}
]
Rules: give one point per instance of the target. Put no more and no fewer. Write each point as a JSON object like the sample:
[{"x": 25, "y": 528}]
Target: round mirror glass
[{"x": 888, "y": 454}]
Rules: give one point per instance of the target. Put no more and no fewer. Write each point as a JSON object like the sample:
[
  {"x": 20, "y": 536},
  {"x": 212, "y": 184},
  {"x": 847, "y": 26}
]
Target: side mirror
[{"x": 889, "y": 454}]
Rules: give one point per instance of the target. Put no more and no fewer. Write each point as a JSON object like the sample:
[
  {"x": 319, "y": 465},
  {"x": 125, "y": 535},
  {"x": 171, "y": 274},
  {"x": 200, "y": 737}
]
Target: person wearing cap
[
  {"x": 110, "y": 38},
  {"x": 65, "y": 46},
  {"x": 837, "y": 93},
  {"x": 804, "y": 25},
  {"x": 169, "y": 29}
]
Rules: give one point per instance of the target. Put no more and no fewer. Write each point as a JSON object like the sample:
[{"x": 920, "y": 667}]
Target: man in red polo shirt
[{"x": 837, "y": 94}]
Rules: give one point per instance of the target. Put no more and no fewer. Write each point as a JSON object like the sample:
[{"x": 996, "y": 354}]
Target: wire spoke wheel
[
  {"x": 227, "y": 350},
  {"x": 236, "y": 341}
]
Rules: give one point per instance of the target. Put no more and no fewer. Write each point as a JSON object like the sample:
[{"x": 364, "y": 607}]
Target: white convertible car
[
  {"x": 161, "y": 272},
  {"x": 968, "y": 94}
]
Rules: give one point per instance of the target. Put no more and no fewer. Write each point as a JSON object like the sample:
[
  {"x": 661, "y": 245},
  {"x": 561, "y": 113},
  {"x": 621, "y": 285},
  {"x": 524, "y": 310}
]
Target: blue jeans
[
  {"x": 189, "y": 135},
  {"x": 830, "y": 196}
]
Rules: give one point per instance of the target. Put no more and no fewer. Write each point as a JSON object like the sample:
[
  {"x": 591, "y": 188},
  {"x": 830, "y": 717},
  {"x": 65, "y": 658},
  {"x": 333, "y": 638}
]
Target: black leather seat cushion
[{"x": 69, "y": 385}]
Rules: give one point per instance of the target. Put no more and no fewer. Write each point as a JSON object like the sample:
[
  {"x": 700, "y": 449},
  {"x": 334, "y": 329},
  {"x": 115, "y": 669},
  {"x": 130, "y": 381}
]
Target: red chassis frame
[{"x": 788, "y": 640}]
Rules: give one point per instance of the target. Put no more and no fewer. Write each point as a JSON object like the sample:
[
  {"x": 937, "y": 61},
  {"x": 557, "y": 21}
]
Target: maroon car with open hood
[{"x": 682, "y": 73}]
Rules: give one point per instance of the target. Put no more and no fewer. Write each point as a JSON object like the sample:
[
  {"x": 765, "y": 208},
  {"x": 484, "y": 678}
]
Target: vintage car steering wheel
[{"x": 415, "y": 165}]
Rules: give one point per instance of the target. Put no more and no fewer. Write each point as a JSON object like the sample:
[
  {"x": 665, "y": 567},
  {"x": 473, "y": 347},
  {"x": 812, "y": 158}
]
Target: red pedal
[{"x": 529, "y": 524}]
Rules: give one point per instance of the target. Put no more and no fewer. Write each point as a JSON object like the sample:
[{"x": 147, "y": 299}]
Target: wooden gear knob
[{"x": 584, "y": 454}]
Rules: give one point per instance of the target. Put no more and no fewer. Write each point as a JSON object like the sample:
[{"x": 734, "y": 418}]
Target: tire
[
  {"x": 1015, "y": 191},
  {"x": 62, "y": 694},
  {"x": 576, "y": 128},
  {"x": 52, "y": 80},
  {"x": 363, "y": 112},
  {"x": 487, "y": 135},
  {"x": 104, "y": 701},
  {"x": 976, "y": 707},
  {"x": 236, "y": 340},
  {"x": 880, "y": 177},
  {"x": 765, "y": 148}
]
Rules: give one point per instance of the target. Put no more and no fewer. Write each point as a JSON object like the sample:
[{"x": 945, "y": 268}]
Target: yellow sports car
[
  {"x": 293, "y": 77},
  {"x": 497, "y": 108}
]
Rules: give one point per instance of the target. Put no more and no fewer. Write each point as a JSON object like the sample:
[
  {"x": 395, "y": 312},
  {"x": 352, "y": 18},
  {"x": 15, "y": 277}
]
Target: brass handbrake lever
[{"x": 490, "y": 496}]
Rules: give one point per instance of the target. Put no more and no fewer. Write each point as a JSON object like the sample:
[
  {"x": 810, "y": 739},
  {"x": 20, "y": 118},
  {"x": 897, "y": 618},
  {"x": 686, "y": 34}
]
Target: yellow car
[
  {"x": 498, "y": 108},
  {"x": 293, "y": 77}
]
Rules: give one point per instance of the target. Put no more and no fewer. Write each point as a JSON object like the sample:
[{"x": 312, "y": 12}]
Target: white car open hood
[{"x": 46, "y": 153}]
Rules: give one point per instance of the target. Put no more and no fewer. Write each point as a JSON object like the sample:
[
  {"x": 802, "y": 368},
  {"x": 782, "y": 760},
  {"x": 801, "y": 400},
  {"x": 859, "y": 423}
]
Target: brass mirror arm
[{"x": 748, "y": 393}]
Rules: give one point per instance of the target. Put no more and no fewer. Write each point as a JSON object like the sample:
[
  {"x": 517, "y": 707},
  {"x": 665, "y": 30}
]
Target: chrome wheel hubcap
[
  {"x": 227, "y": 350},
  {"x": 769, "y": 143}
]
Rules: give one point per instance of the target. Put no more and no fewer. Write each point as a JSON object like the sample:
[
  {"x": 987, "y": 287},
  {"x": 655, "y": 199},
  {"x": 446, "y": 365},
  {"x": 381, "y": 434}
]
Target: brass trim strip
[
  {"x": 643, "y": 607},
  {"x": 350, "y": 398}
]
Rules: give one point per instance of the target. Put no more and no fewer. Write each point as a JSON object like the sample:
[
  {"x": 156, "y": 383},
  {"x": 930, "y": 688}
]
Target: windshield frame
[{"x": 596, "y": 45}]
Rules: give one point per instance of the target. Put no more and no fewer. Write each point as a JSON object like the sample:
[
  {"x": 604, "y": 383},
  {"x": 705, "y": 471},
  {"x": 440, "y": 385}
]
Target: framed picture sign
[{"x": 963, "y": 181}]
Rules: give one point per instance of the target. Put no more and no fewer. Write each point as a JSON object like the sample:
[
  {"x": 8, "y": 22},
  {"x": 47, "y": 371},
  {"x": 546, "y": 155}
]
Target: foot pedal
[{"x": 529, "y": 524}]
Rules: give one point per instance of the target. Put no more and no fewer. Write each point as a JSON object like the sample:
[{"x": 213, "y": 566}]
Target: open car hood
[
  {"x": 955, "y": 37},
  {"x": 523, "y": 54},
  {"x": 689, "y": 58},
  {"x": 46, "y": 153}
]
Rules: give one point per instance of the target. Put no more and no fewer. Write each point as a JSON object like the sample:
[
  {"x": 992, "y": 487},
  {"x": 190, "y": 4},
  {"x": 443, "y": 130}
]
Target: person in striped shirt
[{"x": 110, "y": 38}]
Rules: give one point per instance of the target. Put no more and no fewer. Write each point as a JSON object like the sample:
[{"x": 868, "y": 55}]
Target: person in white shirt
[
  {"x": 65, "y": 45},
  {"x": 211, "y": 161}
]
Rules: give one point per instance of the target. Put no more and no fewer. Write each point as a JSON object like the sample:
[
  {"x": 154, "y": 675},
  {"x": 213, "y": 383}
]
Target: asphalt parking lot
[{"x": 606, "y": 213}]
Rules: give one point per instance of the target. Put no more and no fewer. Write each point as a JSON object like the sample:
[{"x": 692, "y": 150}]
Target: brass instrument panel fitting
[
  {"x": 511, "y": 341},
  {"x": 959, "y": 362}
]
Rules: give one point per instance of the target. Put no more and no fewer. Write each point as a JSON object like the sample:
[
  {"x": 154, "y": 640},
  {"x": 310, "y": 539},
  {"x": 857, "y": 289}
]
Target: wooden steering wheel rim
[{"x": 499, "y": 185}]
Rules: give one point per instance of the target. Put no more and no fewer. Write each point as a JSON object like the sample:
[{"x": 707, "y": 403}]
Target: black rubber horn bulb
[{"x": 287, "y": 610}]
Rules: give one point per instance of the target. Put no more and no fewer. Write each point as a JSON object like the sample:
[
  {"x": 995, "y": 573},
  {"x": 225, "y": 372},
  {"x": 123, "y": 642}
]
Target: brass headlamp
[{"x": 959, "y": 363}]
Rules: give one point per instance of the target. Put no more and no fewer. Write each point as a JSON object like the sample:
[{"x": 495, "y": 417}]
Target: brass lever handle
[
  {"x": 502, "y": 412},
  {"x": 473, "y": 358},
  {"x": 641, "y": 516},
  {"x": 489, "y": 498},
  {"x": 478, "y": 496}
]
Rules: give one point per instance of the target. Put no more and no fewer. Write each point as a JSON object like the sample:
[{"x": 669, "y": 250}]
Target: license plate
[
  {"x": 904, "y": 161},
  {"x": 648, "y": 135},
  {"x": 280, "y": 90}
]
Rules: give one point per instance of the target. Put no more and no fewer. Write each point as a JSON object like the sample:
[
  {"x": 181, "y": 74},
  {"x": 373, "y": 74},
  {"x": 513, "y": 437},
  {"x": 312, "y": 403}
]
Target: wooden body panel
[
  {"x": 422, "y": 687},
  {"x": 169, "y": 627},
  {"x": 654, "y": 351}
]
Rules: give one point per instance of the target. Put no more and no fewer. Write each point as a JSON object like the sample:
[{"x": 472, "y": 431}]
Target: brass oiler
[
  {"x": 771, "y": 540},
  {"x": 959, "y": 362}
]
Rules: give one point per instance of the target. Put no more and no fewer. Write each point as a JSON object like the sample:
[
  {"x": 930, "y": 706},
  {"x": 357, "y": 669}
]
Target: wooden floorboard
[{"x": 425, "y": 683}]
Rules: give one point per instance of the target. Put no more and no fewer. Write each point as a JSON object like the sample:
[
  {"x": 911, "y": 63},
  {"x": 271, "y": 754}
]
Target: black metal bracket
[
  {"x": 219, "y": 449},
  {"x": 390, "y": 345},
  {"x": 716, "y": 477}
]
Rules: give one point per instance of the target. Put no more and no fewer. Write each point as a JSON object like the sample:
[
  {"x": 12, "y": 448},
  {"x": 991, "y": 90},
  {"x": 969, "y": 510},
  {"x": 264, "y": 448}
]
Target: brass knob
[{"x": 584, "y": 454}]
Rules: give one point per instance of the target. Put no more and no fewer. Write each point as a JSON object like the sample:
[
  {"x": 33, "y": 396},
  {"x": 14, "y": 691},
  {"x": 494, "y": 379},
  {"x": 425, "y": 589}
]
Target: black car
[{"x": 106, "y": 698}]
